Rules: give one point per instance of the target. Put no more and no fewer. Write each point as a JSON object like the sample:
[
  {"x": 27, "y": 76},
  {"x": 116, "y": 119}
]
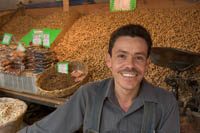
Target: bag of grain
[{"x": 11, "y": 114}]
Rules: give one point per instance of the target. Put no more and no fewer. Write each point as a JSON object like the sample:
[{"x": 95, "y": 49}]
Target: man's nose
[{"x": 131, "y": 62}]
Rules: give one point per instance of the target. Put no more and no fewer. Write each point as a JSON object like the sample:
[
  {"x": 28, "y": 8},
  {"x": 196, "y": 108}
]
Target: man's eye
[
  {"x": 140, "y": 58},
  {"x": 121, "y": 56}
]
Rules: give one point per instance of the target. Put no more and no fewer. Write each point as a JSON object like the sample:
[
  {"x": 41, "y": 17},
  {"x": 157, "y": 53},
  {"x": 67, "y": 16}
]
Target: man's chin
[{"x": 130, "y": 84}]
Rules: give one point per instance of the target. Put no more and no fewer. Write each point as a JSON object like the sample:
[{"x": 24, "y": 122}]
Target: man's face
[{"x": 128, "y": 62}]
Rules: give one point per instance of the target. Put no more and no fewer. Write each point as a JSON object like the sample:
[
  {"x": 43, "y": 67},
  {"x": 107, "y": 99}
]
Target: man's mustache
[{"x": 130, "y": 70}]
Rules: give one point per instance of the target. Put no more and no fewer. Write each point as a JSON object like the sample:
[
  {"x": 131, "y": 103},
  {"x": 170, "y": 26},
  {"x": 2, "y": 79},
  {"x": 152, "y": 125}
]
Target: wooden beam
[
  {"x": 30, "y": 97},
  {"x": 65, "y": 5}
]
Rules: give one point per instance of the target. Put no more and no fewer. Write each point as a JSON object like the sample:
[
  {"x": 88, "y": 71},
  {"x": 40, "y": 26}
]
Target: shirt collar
[
  {"x": 146, "y": 93},
  {"x": 110, "y": 89}
]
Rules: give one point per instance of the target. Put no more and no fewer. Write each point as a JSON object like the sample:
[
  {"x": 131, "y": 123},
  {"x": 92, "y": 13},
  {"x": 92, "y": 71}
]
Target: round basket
[
  {"x": 13, "y": 125},
  {"x": 69, "y": 90}
]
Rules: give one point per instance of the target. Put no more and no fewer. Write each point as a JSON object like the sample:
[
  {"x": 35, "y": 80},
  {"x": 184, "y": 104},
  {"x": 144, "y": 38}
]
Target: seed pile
[
  {"x": 10, "y": 110},
  {"x": 56, "y": 80},
  {"x": 20, "y": 25},
  {"x": 55, "y": 21},
  {"x": 87, "y": 40}
]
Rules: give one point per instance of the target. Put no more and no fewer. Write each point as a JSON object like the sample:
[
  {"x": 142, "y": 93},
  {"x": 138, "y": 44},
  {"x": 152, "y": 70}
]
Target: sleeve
[
  {"x": 67, "y": 118},
  {"x": 170, "y": 122}
]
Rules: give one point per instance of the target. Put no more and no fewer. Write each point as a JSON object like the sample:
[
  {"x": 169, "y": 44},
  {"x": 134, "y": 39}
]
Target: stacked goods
[
  {"x": 11, "y": 61},
  {"x": 36, "y": 58},
  {"x": 30, "y": 61},
  {"x": 4, "y": 52},
  {"x": 87, "y": 40},
  {"x": 16, "y": 65},
  {"x": 11, "y": 113},
  {"x": 39, "y": 58}
]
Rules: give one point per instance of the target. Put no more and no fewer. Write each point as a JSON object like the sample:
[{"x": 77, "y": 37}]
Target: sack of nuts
[{"x": 11, "y": 114}]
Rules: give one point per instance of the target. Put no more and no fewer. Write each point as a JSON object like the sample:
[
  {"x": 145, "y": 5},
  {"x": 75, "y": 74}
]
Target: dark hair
[{"x": 131, "y": 30}]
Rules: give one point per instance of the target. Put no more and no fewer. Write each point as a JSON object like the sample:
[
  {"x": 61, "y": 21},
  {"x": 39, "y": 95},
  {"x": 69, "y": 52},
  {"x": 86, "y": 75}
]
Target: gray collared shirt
[{"x": 76, "y": 112}]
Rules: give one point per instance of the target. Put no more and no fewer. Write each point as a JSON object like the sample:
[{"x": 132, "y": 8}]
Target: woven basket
[
  {"x": 14, "y": 125},
  {"x": 65, "y": 91}
]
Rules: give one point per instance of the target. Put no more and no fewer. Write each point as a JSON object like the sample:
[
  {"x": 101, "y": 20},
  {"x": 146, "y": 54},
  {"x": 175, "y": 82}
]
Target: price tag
[
  {"x": 20, "y": 47},
  {"x": 46, "y": 40},
  {"x": 38, "y": 32},
  {"x": 37, "y": 36},
  {"x": 122, "y": 5},
  {"x": 7, "y": 38},
  {"x": 62, "y": 67},
  {"x": 37, "y": 39}
]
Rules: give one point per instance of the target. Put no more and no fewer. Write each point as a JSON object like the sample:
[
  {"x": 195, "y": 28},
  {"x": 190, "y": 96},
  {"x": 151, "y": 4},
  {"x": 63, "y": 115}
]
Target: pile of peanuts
[
  {"x": 87, "y": 40},
  {"x": 20, "y": 25},
  {"x": 10, "y": 110}
]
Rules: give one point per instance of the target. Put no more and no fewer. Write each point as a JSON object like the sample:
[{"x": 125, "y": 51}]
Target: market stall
[{"x": 85, "y": 31}]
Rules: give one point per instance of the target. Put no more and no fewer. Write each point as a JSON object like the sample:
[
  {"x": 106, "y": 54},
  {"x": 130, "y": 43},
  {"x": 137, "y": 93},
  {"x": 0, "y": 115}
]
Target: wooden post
[{"x": 66, "y": 5}]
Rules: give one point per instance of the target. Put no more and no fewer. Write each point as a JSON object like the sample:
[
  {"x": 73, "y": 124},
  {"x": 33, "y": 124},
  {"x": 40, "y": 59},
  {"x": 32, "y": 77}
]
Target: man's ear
[
  {"x": 148, "y": 62},
  {"x": 108, "y": 60}
]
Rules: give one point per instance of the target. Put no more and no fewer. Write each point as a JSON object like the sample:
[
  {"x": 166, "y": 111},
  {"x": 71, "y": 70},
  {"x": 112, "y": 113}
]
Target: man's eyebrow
[
  {"x": 140, "y": 53},
  {"x": 122, "y": 51},
  {"x": 137, "y": 53}
]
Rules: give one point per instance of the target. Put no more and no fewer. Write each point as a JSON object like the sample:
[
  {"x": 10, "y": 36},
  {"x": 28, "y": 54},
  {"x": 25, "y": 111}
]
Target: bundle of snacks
[
  {"x": 15, "y": 63},
  {"x": 5, "y": 62},
  {"x": 29, "y": 59},
  {"x": 39, "y": 58}
]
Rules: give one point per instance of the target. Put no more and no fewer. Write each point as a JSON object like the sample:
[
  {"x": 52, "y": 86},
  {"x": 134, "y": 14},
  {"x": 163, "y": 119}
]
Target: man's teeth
[{"x": 128, "y": 75}]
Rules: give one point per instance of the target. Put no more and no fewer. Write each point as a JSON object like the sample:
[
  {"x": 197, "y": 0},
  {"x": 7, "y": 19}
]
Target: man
[{"x": 126, "y": 103}]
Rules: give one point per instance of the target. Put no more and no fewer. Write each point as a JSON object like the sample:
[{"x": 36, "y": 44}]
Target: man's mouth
[{"x": 128, "y": 75}]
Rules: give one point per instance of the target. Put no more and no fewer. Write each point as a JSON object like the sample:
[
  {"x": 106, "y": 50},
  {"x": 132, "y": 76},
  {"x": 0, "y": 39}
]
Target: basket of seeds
[
  {"x": 52, "y": 83},
  {"x": 11, "y": 114}
]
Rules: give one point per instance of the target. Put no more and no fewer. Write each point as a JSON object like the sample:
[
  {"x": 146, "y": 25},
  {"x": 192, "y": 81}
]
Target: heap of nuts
[
  {"x": 87, "y": 39},
  {"x": 10, "y": 110}
]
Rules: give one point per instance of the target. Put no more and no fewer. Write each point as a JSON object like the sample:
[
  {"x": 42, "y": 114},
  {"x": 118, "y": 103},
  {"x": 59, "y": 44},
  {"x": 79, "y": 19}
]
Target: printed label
[
  {"x": 20, "y": 47},
  {"x": 46, "y": 40},
  {"x": 62, "y": 67}
]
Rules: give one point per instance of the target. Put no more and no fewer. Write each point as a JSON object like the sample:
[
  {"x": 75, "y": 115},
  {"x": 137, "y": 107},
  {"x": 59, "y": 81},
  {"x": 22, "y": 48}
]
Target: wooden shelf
[{"x": 34, "y": 98}]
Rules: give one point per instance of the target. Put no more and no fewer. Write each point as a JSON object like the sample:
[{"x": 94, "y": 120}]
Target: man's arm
[
  {"x": 67, "y": 118},
  {"x": 170, "y": 122}
]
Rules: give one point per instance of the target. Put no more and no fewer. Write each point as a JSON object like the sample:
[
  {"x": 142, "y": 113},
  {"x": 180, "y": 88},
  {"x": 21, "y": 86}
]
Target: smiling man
[
  {"x": 128, "y": 62},
  {"x": 126, "y": 103}
]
